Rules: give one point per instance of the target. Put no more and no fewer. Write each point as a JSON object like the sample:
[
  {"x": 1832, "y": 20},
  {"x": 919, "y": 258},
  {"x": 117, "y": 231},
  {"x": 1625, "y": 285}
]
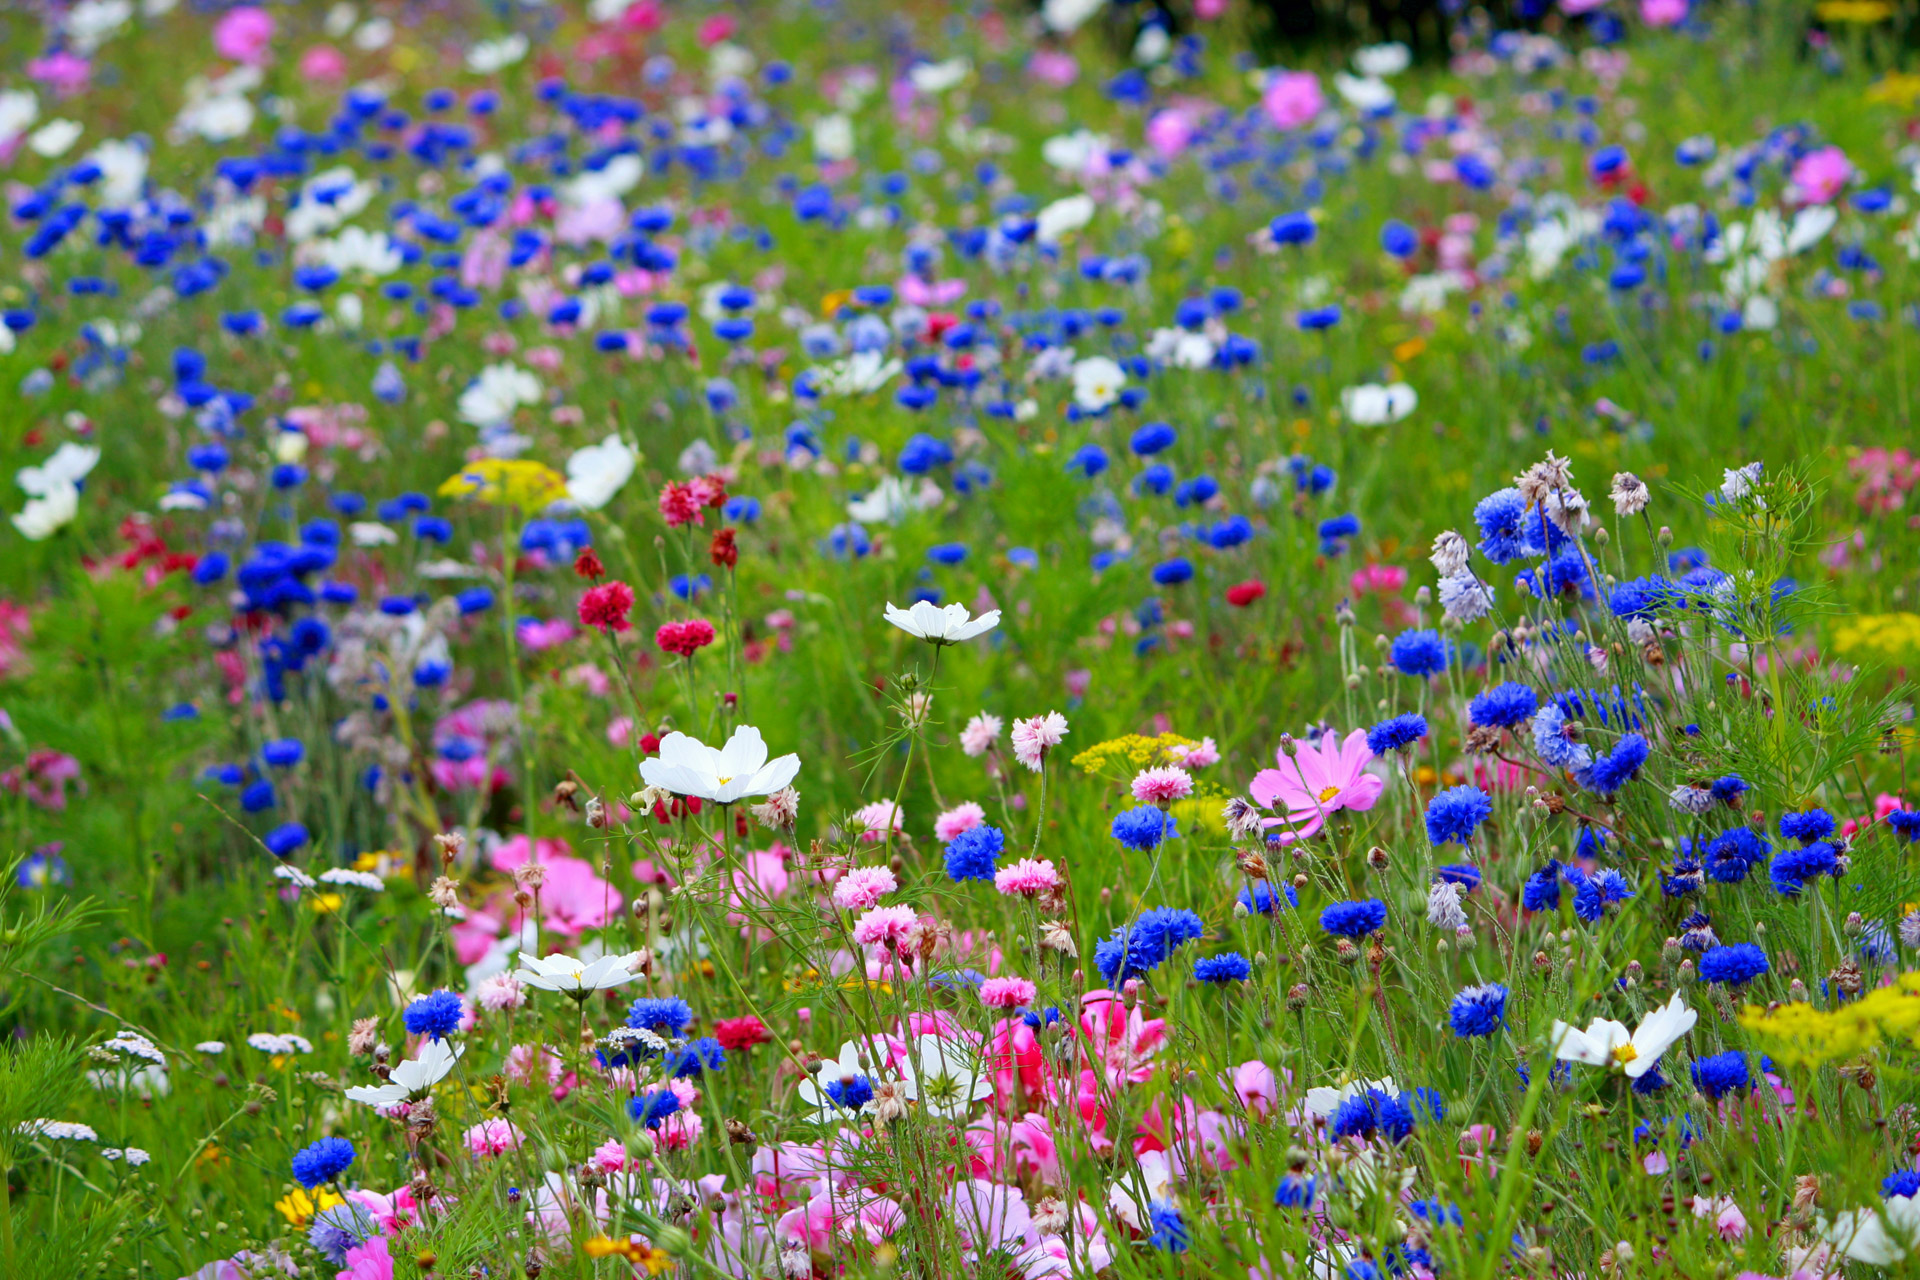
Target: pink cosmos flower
[
  {"x": 1163, "y": 785},
  {"x": 884, "y": 925},
  {"x": 1819, "y": 175},
  {"x": 1027, "y": 878},
  {"x": 323, "y": 64},
  {"x": 244, "y": 35},
  {"x": 1256, "y": 1086},
  {"x": 1663, "y": 13},
  {"x": 863, "y": 887},
  {"x": 492, "y": 1137},
  {"x": 1728, "y": 1221},
  {"x": 1037, "y": 735},
  {"x": 1006, "y": 993},
  {"x": 962, "y": 817},
  {"x": 369, "y": 1261},
  {"x": 1293, "y": 98},
  {"x": 1317, "y": 781},
  {"x": 716, "y": 28},
  {"x": 1208, "y": 10},
  {"x": 1051, "y": 67},
  {"x": 1169, "y": 132},
  {"x": 63, "y": 72},
  {"x": 1123, "y": 1040}
]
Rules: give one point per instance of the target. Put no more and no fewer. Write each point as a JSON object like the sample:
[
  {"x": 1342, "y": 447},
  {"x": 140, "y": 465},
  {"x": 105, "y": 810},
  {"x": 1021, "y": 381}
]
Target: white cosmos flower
[
  {"x": 833, "y": 137},
  {"x": 1067, "y": 16},
  {"x": 493, "y": 396},
  {"x": 219, "y": 118},
  {"x": 941, "y": 626},
  {"x": 1074, "y": 151},
  {"x": 368, "y": 533},
  {"x": 574, "y": 976},
  {"x": 1373, "y": 405},
  {"x": 891, "y": 501},
  {"x": 1070, "y": 213},
  {"x": 1366, "y": 93},
  {"x": 1096, "y": 383},
  {"x": 1180, "y": 349},
  {"x": 41, "y": 518},
  {"x": 595, "y": 473},
  {"x": 1379, "y": 60},
  {"x": 938, "y": 77},
  {"x": 945, "y": 1077},
  {"x": 412, "y": 1078},
  {"x": 357, "y": 249},
  {"x": 490, "y": 56},
  {"x": 859, "y": 373},
  {"x": 65, "y": 469},
  {"x": 1324, "y": 1101},
  {"x": 688, "y": 767},
  {"x": 55, "y": 138},
  {"x": 1866, "y": 1236},
  {"x": 123, "y": 166},
  {"x": 19, "y": 108},
  {"x": 1609, "y": 1043}
]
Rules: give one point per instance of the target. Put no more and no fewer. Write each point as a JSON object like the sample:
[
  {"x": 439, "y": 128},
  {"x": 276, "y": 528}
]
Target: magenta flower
[
  {"x": 1292, "y": 98},
  {"x": 1317, "y": 781},
  {"x": 244, "y": 35},
  {"x": 1819, "y": 175}
]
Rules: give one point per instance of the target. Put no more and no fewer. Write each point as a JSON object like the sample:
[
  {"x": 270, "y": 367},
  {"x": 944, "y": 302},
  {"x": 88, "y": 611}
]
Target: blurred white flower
[
  {"x": 491, "y": 398},
  {"x": 1067, "y": 214},
  {"x": 1097, "y": 381},
  {"x": 596, "y": 473},
  {"x": 489, "y": 56},
  {"x": 1371, "y": 404}
]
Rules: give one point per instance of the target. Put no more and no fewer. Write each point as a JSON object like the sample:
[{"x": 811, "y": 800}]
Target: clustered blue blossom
[
  {"x": 1734, "y": 965},
  {"x": 1228, "y": 966},
  {"x": 1354, "y": 919},
  {"x": 1504, "y": 706},
  {"x": 1142, "y": 827},
  {"x": 1455, "y": 814},
  {"x": 434, "y": 1016},
  {"x": 1478, "y": 1011},
  {"x": 324, "y": 1161},
  {"x": 971, "y": 854},
  {"x": 662, "y": 1015},
  {"x": 1397, "y": 733},
  {"x": 1419, "y": 653},
  {"x": 1139, "y": 948}
]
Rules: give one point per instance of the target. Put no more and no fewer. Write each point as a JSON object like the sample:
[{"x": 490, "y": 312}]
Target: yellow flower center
[
  {"x": 1328, "y": 793},
  {"x": 1625, "y": 1053}
]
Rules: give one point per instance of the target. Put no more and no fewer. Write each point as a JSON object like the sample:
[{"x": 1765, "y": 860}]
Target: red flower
[
  {"x": 1242, "y": 594},
  {"x": 737, "y": 1035},
  {"x": 606, "y": 606},
  {"x": 588, "y": 565},
  {"x": 709, "y": 491},
  {"x": 723, "y": 551},
  {"x": 684, "y": 638},
  {"x": 680, "y": 505}
]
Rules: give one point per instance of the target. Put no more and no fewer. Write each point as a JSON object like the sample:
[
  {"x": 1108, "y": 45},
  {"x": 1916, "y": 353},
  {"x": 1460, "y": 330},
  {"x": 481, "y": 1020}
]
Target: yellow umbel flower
[
  {"x": 1133, "y": 752},
  {"x": 507, "y": 482},
  {"x": 1861, "y": 11},
  {"x": 1891, "y": 636},
  {"x": 1895, "y": 89},
  {"x": 1802, "y": 1035},
  {"x": 298, "y": 1208}
]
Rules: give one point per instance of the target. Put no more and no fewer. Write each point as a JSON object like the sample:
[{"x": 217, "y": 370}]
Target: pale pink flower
[
  {"x": 863, "y": 887},
  {"x": 1027, "y": 878},
  {"x": 1049, "y": 66},
  {"x": 1169, "y": 131},
  {"x": 962, "y": 817},
  {"x": 1317, "y": 781},
  {"x": 1006, "y": 993},
  {"x": 1163, "y": 785},
  {"x": 877, "y": 821},
  {"x": 1293, "y": 98},
  {"x": 244, "y": 35},
  {"x": 1819, "y": 175},
  {"x": 1378, "y": 578},
  {"x": 492, "y": 1137},
  {"x": 1663, "y": 13},
  {"x": 323, "y": 64},
  {"x": 1198, "y": 756},
  {"x": 499, "y": 993},
  {"x": 1727, "y": 1218},
  {"x": 1035, "y": 736},
  {"x": 980, "y": 734},
  {"x": 610, "y": 1156},
  {"x": 886, "y": 925},
  {"x": 369, "y": 1261},
  {"x": 1256, "y": 1086}
]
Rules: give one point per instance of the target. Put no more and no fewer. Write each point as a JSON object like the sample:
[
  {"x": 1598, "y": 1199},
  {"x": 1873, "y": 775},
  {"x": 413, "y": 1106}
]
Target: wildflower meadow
[{"x": 796, "y": 639}]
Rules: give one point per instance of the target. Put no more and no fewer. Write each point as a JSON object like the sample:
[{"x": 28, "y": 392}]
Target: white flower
[
  {"x": 1151, "y": 45},
  {"x": 55, "y": 138},
  {"x": 891, "y": 501},
  {"x": 65, "y": 469},
  {"x": 368, "y": 533},
  {"x": 412, "y": 1078},
  {"x": 945, "y": 1077},
  {"x": 833, "y": 137},
  {"x": 1378, "y": 60},
  {"x": 1371, "y": 405},
  {"x": 1738, "y": 482},
  {"x": 1323, "y": 1101},
  {"x": 132, "y": 1155},
  {"x": 1450, "y": 553},
  {"x": 358, "y": 879},
  {"x": 938, "y": 77},
  {"x": 595, "y": 473},
  {"x": 1067, "y": 16},
  {"x": 19, "y": 108},
  {"x": 1369, "y": 93},
  {"x": 1759, "y": 313},
  {"x": 1096, "y": 383},
  {"x": 833, "y": 1072},
  {"x": 941, "y": 626},
  {"x": 357, "y": 249},
  {"x": 1443, "y": 906},
  {"x": 609, "y": 182},
  {"x": 92, "y": 21},
  {"x": 1867, "y": 1236},
  {"x": 123, "y": 168},
  {"x": 1180, "y": 348},
  {"x": 41, "y": 518},
  {"x": 688, "y": 767},
  {"x": 66, "y": 1130},
  {"x": 211, "y": 1047},
  {"x": 294, "y": 876},
  {"x": 577, "y": 978},
  {"x": 1464, "y": 597},
  {"x": 218, "y": 118},
  {"x": 859, "y": 373},
  {"x": 1069, "y": 213},
  {"x": 279, "y": 1044},
  {"x": 1608, "y": 1043},
  {"x": 489, "y": 56},
  {"x": 491, "y": 398},
  {"x": 1810, "y": 227},
  {"x": 1074, "y": 151}
]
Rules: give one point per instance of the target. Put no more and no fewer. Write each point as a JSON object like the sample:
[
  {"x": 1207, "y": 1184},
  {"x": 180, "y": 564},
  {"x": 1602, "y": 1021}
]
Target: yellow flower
[
  {"x": 633, "y": 1249},
  {"x": 1890, "y": 636},
  {"x": 1853, "y": 10},
  {"x": 298, "y": 1207},
  {"x": 832, "y": 303},
  {"x": 508, "y": 482},
  {"x": 1895, "y": 89},
  {"x": 327, "y": 903},
  {"x": 1802, "y": 1035},
  {"x": 1132, "y": 752}
]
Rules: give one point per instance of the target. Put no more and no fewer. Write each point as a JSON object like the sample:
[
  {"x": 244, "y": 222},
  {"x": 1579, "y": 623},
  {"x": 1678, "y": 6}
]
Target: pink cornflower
[
  {"x": 878, "y": 820},
  {"x": 1006, "y": 993},
  {"x": 492, "y": 1137},
  {"x": 1027, "y": 878},
  {"x": 962, "y": 817},
  {"x": 980, "y": 734},
  {"x": 884, "y": 925},
  {"x": 1198, "y": 756},
  {"x": 1381, "y": 578},
  {"x": 1819, "y": 175},
  {"x": 863, "y": 887},
  {"x": 679, "y": 505},
  {"x": 606, "y": 607},
  {"x": 610, "y": 1156},
  {"x": 1292, "y": 98},
  {"x": 708, "y": 491},
  {"x": 499, "y": 993},
  {"x": 1317, "y": 781},
  {"x": 1163, "y": 785},
  {"x": 1035, "y": 736}
]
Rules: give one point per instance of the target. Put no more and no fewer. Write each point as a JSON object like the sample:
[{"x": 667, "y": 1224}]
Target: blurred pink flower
[
  {"x": 65, "y": 73},
  {"x": 1663, "y": 13},
  {"x": 1317, "y": 781},
  {"x": 369, "y": 1261},
  {"x": 1169, "y": 131},
  {"x": 1256, "y": 1086},
  {"x": 492, "y": 1137},
  {"x": 1293, "y": 98},
  {"x": 1819, "y": 175},
  {"x": 244, "y": 35},
  {"x": 1378, "y": 578},
  {"x": 1208, "y": 10},
  {"x": 1052, "y": 67},
  {"x": 323, "y": 64}
]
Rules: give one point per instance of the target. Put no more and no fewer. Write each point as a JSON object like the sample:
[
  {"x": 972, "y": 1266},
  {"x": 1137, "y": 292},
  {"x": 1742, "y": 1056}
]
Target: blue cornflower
[
  {"x": 1464, "y": 874},
  {"x": 1392, "y": 735},
  {"x": 1454, "y": 814},
  {"x": 1438, "y": 1212},
  {"x": 1591, "y": 843},
  {"x": 1260, "y": 899},
  {"x": 1419, "y": 653},
  {"x": 1901, "y": 1182},
  {"x": 1792, "y": 868},
  {"x": 285, "y": 839},
  {"x": 1372, "y": 1113},
  {"x": 1683, "y": 879},
  {"x": 1228, "y": 966},
  {"x": 697, "y": 1058},
  {"x": 434, "y": 1016},
  {"x": 1143, "y": 827},
  {"x": 338, "y": 1228},
  {"x": 662, "y": 1015},
  {"x": 1295, "y": 1191},
  {"x": 1640, "y": 597},
  {"x": 1905, "y": 824},
  {"x": 1722, "y": 1074},
  {"x": 1733, "y": 853},
  {"x": 1169, "y": 1228},
  {"x": 1554, "y": 740},
  {"x": 1337, "y": 527},
  {"x": 1137, "y": 949},
  {"x": 1504, "y": 706},
  {"x": 1354, "y": 919},
  {"x": 1736, "y": 965},
  {"x": 1814, "y": 824},
  {"x": 970, "y": 854},
  {"x": 1502, "y": 518},
  {"x": 1648, "y": 1082},
  {"x": 1565, "y": 574},
  {"x": 1729, "y": 789},
  {"x": 1541, "y": 892},
  {"x": 652, "y": 1109},
  {"x": 324, "y": 1161},
  {"x": 1478, "y": 1011},
  {"x": 1618, "y": 767}
]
